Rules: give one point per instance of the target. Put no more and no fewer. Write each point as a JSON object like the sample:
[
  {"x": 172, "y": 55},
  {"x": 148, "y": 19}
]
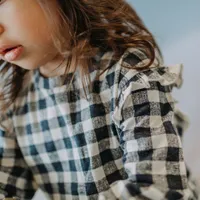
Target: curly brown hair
[{"x": 93, "y": 26}]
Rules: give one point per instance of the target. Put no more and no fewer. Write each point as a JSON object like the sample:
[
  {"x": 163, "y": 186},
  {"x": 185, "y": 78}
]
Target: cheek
[
  {"x": 32, "y": 33},
  {"x": 34, "y": 26}
]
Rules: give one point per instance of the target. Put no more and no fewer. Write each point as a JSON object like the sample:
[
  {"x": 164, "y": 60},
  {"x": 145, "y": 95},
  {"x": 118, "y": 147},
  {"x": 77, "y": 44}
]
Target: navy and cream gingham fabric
[{"x": 120, "y": 143}]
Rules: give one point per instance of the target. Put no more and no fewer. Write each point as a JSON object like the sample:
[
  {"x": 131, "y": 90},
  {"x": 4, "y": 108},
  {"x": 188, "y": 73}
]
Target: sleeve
[
  {"x": 16, "y": 180},
  {"x": 153, "y": 155}
]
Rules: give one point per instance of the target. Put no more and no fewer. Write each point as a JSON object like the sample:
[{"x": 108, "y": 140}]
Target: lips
[{"x": 6, "y": 48}]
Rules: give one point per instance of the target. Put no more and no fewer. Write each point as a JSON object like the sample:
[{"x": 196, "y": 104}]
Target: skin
[{"x": 22, "y": 22}]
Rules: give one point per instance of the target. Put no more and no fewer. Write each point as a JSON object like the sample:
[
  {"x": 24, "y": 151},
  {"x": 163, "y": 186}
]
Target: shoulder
[{"x": 126, "y": 72}]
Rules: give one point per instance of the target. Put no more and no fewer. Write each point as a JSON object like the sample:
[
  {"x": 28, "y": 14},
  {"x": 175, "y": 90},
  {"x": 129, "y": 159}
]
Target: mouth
[
  {"x": 8, "y": 49},
  {"x": 11, "y": 53}
]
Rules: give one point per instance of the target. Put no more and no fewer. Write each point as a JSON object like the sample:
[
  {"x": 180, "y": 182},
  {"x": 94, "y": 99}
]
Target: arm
[
  {"x": 15, "y": 177},
  {"x": 153, "y": 156}
]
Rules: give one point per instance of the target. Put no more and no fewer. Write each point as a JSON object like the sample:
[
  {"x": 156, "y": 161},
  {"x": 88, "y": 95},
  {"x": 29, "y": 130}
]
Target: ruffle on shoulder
[
  {"x": 133, "y": 59},
  {"x": 166, "y": 75}
]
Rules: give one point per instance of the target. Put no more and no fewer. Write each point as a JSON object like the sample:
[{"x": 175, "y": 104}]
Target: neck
[{"x": 54, "y": 68}]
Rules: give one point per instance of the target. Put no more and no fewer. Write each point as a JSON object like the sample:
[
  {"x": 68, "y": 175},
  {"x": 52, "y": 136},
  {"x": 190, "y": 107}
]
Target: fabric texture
[{"x": 123, "y": 142}]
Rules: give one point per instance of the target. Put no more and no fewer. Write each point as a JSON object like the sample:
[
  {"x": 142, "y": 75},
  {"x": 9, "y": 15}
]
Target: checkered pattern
[{"x": 121, "y": 143}]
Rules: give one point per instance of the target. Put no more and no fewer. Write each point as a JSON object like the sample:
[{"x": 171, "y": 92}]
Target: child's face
[{"x": 22, "y": 22}]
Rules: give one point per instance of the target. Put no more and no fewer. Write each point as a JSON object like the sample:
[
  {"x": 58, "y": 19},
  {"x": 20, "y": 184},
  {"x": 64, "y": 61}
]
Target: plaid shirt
[{"x": 121, "y": 143}]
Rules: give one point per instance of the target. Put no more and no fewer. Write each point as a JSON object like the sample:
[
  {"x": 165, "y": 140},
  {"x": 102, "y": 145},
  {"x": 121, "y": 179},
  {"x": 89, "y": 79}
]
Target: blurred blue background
[
  {"x": 176, "y": 27},
  {"x": 169, "y": 20}
]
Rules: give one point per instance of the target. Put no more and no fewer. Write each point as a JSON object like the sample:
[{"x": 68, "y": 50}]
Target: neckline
[
  {"x": 57, "y": 81},
  {"x": 51, "y": 82}
]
